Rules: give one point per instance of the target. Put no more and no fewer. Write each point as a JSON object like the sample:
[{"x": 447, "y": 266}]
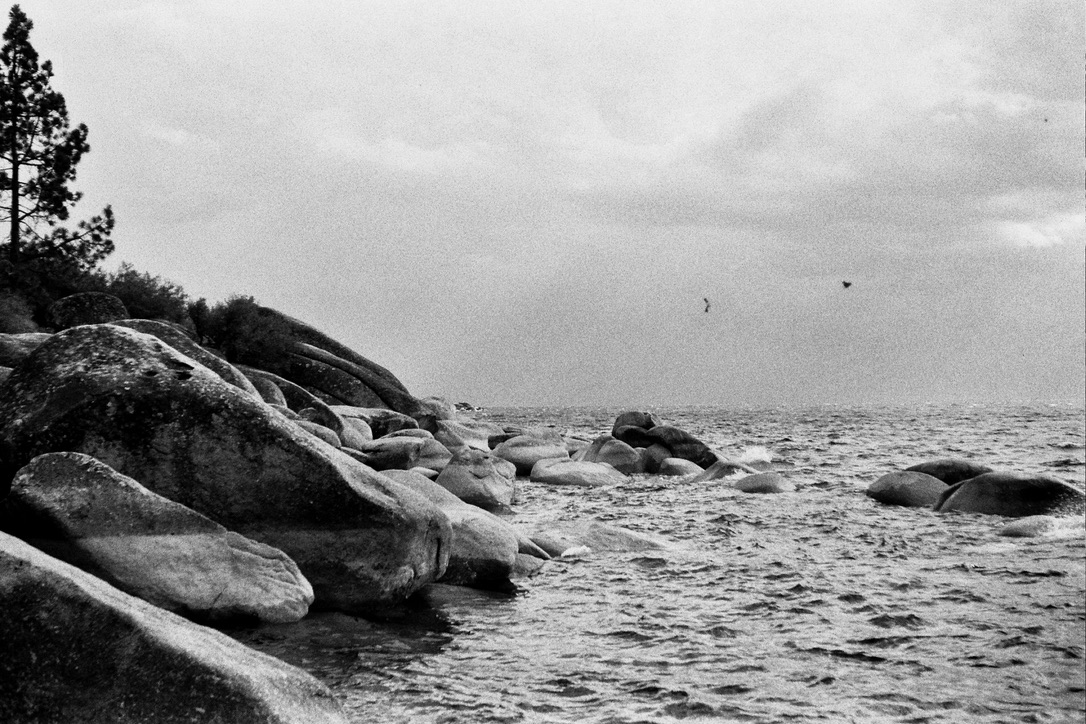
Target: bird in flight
[
  {"x": 846, "y": 285},
  {"x": 706, "y": 304}
]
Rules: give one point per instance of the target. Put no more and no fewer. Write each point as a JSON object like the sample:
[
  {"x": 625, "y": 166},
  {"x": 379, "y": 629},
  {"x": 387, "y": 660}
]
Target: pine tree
[{"x": 39, "y": 152}]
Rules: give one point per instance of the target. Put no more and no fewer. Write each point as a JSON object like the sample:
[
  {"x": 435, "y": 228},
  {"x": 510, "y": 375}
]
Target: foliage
[
  {"x": 16, "y": 314},
  {"x": 144, "y": 295},
  {"x": 39, "y": 152},
  {"x": 243, "y": 330}
]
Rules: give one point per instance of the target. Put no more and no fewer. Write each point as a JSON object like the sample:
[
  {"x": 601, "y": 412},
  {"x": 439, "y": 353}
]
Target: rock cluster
[{"x": 954, "y": 484}]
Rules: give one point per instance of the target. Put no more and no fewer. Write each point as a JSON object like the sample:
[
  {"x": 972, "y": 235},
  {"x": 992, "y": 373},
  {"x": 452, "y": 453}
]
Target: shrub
[
  {"x": 243, "y": 331},
  {"x": 146, "y": 296},
  {"x": 16, "y": 314}
]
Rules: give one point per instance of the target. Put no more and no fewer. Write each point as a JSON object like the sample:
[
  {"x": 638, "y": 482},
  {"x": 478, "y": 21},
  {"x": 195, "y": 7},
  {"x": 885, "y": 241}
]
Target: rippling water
[{"x": 817, "y": 605}]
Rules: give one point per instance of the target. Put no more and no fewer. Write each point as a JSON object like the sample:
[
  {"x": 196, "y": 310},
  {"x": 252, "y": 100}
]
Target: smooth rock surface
[
  {"x": 764, "y": 483},
  {"x": 950, "y": 470},
  {"x": 474, "y": 477},
  {"x": 909, "y": 488},
  {"x": 557, "y": 471},
  {"x": 87, "y": 514},
  {"x": 524, "y": 451},
  {"x": 679, "y": 466},
  {"x": 79, "y": 651},
  {"x": 1013, "y": 495},
  {"x": 560, "y": 537},
  {"x": 159, "y": 417},
  {"x": 617, "y": 454}
]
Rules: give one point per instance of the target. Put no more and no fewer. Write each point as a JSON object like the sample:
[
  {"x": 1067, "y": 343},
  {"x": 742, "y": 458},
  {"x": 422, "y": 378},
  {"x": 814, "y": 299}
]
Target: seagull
[
  {"x": 846, "y": 284},
  {"x": 706, "y": 304}
]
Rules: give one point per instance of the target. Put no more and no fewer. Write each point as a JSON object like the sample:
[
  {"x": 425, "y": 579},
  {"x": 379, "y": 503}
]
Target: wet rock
[
  {"x": 159, "y": 417},
  {"x": 909, "y": 488},
  {"x": 525, "y": 450},
  {"x": 474, "y": 477},
  {"x": 678, "y": 466},
  {"x": 484, "y": 547},
  {"x": 634, "y": 418},
  {"x": 617, "y": 454},
  {"x": 683, "y": 445},
  {"x": 85, "y": 513},
  {"x": 78, "y": 650},
  {"x": 86, "y": 308},
  {"x": 577, "y": 473},
  {"x": 764, "y": 483},
  {"x": 722, "y": 469},
  {"x": 633, "y": 436},
  {"x": 558, "y": 538},
  {"x": 1013, "y": 495},
  {"x": 950, "y": 470}
]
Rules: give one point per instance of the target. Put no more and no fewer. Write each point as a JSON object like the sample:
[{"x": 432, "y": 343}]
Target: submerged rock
[
  {"x": 87, "y": 514},
  {"x": 78, "y": 650},
  {"x": 559, "y": 538},
  {"x": 909, "y": 488},
  {"x": 157, "y": 416},
  {"x": 764, "y": 483},
  {"x": 722, "y": 469},
  {"x": 1013, "y": 495}
]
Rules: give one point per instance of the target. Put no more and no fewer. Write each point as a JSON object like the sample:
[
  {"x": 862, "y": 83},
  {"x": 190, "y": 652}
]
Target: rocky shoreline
[{"x": 151, "y": 491}]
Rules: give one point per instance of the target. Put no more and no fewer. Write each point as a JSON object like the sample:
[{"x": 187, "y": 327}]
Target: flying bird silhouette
[
  {"x": 706, "y": 304},
  {"x": 846, "y": 284}
]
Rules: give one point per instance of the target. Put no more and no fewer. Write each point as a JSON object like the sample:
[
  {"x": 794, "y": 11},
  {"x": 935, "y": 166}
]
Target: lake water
[{"x": 817, "y": 605}]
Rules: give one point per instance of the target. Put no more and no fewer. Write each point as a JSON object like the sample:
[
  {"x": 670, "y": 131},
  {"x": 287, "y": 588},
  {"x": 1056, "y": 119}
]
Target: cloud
[{"x": 1056, "y": 230}]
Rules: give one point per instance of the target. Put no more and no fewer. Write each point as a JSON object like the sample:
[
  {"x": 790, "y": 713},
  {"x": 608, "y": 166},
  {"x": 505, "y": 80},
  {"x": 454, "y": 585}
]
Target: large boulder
[
  {"x": 475, "y": 477},
  {"x": 950, "y": 470},
  {"x": 319, "y": 362},
  {"x": 381, "y": 421},
  {"x": 909, "y": 488},
  {"x": 683, "y": 445},
  {"x": 634, "y": 418},
  {"x": 86, "y": 308},
  {"x": 525, "y": 450},
  {"x": 184, "y": 344},
  {"x": 78, "y": 650},
  {"x": 678, "y": 466},
  {"x": 159, "y": 417},
  {"x": 617, "y": 454},
  {"x": 575, "y": 472},
  {"x": 484, "y": 549},
  {"x": 453, "y": 433},
  {"x": 1013, "y": 495},
  {"x": 87, "y": 514}
]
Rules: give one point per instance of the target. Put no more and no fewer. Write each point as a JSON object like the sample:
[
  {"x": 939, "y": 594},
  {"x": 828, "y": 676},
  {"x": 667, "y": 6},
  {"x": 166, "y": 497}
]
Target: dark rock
[
  {"x": 722, "y": 469},
  {"x": 78, "y": 650},
  {"x": 156, "y": 416},
  {"x": 14, "y": 348},
  {"x": 1013, "y": 495},
  {"x": 633, "y": 436},
  {"x": 633, "y": 418},
  {"x": 86, "y": 308},
  {"x": 950, "y": 470},
  {"x": 619, "y": 455},
  {"x": 683, "y": 445},
  {"x": 910, "y": 488}
]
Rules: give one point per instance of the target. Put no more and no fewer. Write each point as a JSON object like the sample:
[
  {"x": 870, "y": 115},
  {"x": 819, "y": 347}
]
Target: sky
[{"x": 525, "y": 203}]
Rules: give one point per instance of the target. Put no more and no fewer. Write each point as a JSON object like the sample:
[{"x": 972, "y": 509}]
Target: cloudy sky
[{"x": 526, "y": 202}]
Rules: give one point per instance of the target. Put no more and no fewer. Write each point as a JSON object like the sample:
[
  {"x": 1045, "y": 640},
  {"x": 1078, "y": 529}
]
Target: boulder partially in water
[
  {"x": 764, "y": 483},
  {"x": 619, "y": 455},
  {"x": 950, "y": 470},
  {"x": 525, "y": 450},
  {"x": 561, "y": 537},
  {"x": 575, "y": 472},
  {"x": 87, "y": 514},
  {"x": 1014, "y": 495},
  {"x": 476, "y": 478},
  {"x": 908, "y": 488},
  {"x": 678, "y": 466},
  {"x": 159, "y": 417},
  {"x": 78, "y": 650},
  {"x": 723, "y": 469}
]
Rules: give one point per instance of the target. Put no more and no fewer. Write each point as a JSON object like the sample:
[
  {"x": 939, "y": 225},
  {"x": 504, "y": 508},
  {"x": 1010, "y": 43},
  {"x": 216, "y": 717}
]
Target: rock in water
[
  {"x": 524, "y": 451},
  {"x": 87, "y": 514},
  {"x": 1013, "y": 495},
  {"x": 908, "y": 488},
  {"x": 764, "y": 483},
  {"x": 157, "y": 416},
  {"x": 78, "y": 650},
  {"x": 619, "y": 455},
  {"x": 575, "y": 472},
  {"x": 475, "y": 477},
  {"x": 950, "y": 470}
]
